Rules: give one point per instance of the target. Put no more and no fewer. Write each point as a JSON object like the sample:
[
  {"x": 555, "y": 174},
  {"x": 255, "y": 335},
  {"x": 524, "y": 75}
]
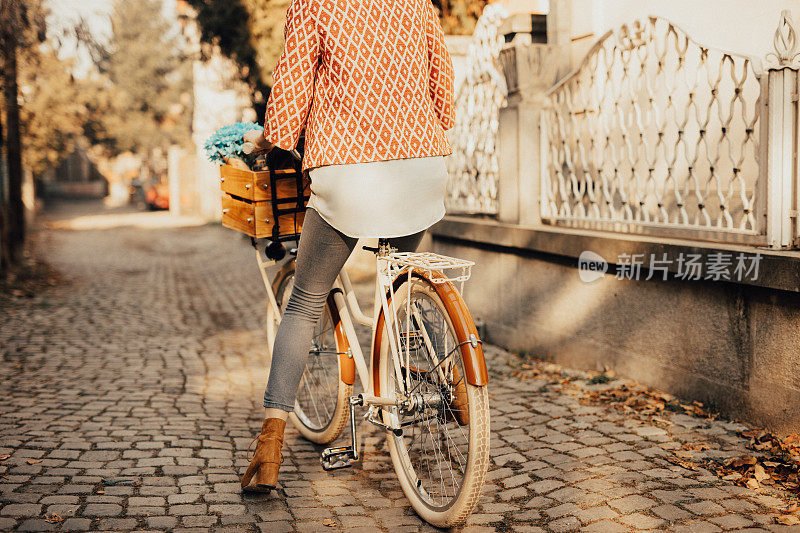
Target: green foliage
[
  {"x": 601, "y": 378},
  {"x": 459, "y": 16},
  {"x": 53, "y": 108},
  {"x": 149, "y": 80},
  {"x": 248, "y": 31},
  {"x": 265, "y": 24}
]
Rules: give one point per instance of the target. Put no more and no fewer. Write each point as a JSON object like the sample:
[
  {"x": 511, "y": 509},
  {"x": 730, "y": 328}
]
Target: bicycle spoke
[
  {"x": 437, "y": 451},
  {"x": 311, "y": 395}
]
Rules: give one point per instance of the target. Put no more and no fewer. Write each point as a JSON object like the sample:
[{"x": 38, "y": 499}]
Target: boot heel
[{"x": 267, "y": 476}]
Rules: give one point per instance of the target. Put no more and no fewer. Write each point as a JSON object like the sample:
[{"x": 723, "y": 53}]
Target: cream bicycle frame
[{"x": 349, "y": 309}]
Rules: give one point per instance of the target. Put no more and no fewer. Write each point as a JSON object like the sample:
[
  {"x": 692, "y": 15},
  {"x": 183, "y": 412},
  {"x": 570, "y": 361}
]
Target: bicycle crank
[
  {"x": 343, "y": 456},
  {"x": 338, "y": 457}
]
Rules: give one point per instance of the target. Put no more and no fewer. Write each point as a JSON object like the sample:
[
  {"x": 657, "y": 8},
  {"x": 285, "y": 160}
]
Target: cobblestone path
[{"x": 130, "y": 394}]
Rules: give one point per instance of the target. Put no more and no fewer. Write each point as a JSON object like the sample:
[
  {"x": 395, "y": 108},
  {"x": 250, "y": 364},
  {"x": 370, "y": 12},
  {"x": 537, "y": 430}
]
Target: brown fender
[
  {"x": 347, "y": 367},
  {"x": 474, "y": 361}
]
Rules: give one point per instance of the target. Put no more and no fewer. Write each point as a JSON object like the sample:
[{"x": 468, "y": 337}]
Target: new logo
[{"x": 591, "y": 266}]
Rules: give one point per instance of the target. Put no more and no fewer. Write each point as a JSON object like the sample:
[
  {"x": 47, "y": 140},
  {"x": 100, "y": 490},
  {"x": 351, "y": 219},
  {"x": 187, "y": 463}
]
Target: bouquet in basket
[
  {"x": 264, "y": 195},
  {"x": 226, "y": 146}
]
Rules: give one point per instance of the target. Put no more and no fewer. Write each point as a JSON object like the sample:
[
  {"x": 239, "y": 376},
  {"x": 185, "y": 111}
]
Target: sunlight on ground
[
  {"x": 143, "y": 220},
  {"x": 241, "y": 369}
]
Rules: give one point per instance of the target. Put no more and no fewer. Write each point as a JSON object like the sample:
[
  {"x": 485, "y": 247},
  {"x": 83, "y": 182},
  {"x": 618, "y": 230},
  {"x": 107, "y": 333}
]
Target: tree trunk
[
  {"x": 15, "y": 214},
  {"x": 5, "y": 252}
]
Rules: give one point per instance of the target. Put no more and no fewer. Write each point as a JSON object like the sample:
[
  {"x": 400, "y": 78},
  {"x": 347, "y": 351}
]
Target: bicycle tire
[
  {"x": 446, "y": 512},
  {"x": 317, "y": 429}
]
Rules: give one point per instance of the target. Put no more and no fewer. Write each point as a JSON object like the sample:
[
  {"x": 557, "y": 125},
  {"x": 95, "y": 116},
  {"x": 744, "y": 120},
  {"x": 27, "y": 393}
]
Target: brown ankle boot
[{"x": 263, "y": 469}]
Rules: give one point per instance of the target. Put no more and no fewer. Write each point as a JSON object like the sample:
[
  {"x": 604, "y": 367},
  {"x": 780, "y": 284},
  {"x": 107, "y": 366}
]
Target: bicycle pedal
[{"x": 337, "y": 457}]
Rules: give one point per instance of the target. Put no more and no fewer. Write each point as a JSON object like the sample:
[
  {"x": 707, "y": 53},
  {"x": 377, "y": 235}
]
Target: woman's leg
[{"x": 321, "y": 254}]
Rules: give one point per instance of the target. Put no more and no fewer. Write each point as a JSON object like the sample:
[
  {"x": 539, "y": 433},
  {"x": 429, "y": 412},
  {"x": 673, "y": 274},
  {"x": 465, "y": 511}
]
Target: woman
[{"x": 371, "y": 82}]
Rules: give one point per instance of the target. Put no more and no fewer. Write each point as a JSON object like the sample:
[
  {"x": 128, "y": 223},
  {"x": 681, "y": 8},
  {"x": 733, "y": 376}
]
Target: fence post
[
  {"x": 530, "y": 110},
  {"x": 508, "y": 158},
  {"x": 783, "y": 137},
  {"x": 530, "y": 70}
]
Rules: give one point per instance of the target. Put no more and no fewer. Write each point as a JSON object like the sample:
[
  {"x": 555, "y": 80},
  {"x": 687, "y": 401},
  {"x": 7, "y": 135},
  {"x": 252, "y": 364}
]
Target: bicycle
[{"x": 425, "y": 384}]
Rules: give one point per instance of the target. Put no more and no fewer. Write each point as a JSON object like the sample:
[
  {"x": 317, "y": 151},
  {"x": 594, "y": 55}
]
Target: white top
[{"x": 390, "y": 198}]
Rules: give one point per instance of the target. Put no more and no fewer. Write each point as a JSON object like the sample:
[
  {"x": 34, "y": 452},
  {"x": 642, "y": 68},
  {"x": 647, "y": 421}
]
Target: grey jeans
[{"x": 321, "y": 254}]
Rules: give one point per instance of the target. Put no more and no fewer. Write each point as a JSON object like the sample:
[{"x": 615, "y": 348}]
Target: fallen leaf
[
  {"x": 738, "y": 462},
  {"x": 696, "y": 446},
  {"x": 752, "y": 484},
  {"x": 34, "y": 461},
  {"x": 662, "y": 421},
  {"x": 53, "y": 518},
  {"x": 329, "y": 522},
  {"x": 5, "y": 456},
  {"x": 760, "y": 474},
  {"x": 787, "y": 519}
]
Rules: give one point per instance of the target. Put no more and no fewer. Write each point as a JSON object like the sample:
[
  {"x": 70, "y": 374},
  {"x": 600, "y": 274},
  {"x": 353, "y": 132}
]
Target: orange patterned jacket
[{"x": 370, "y": 80}]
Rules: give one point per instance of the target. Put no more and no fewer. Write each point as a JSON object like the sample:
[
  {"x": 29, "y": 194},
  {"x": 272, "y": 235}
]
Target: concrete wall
[{"x": 734, "y": 347}]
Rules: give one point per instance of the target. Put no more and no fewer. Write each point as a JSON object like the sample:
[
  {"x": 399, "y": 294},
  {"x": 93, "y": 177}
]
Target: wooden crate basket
[{"x": 253, "y": 201}]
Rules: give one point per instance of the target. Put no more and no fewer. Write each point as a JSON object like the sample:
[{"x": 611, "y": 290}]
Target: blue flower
[{"x": 228, "y": 140}]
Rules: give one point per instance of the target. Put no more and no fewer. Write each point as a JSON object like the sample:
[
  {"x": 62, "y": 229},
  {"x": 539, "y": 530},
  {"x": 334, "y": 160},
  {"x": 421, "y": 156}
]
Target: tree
[
  {"x": 54, "y": 108},
  {"x": 459, "y": 16},
  {"x": 21, "y": 25},
  {"x": 250, "y": 32},
  {"x": 149, "y": 81}
]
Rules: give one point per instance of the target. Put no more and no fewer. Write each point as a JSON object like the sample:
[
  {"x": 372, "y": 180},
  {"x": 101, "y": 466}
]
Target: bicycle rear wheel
[
  {"x": 443, "y": 455},
  {"x": 321, "y": 409}
]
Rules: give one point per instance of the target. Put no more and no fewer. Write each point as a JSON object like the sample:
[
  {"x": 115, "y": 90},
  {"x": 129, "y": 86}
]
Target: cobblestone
[{"x": 138, "y": 385}]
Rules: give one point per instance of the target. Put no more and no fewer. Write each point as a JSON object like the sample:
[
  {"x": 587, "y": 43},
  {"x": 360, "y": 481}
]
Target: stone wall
[{"x": 735, "y": 347}]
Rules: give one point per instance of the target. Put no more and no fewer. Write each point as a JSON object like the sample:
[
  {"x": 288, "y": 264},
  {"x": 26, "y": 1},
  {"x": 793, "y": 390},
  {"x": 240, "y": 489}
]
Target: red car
[{"x": 157, "y": 196}]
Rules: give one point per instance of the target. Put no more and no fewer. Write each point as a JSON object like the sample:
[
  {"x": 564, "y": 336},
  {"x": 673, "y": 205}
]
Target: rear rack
[{"x": 438, "y": 268}]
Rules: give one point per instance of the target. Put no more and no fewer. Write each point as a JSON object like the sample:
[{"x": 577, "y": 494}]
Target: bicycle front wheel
[
  {"x": 442, "y": 457},
  {"x": 321, "y": 409}
]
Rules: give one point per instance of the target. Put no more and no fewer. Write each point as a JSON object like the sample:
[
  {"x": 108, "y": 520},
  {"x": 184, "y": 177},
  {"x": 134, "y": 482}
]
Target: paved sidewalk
[{"x": 130, "y": 394}]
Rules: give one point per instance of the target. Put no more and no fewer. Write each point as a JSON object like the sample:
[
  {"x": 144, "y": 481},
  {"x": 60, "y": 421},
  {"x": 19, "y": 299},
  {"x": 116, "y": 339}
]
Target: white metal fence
[
  {"x": 655, "y": 133},
  {"x": 473, "y": 166}
]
